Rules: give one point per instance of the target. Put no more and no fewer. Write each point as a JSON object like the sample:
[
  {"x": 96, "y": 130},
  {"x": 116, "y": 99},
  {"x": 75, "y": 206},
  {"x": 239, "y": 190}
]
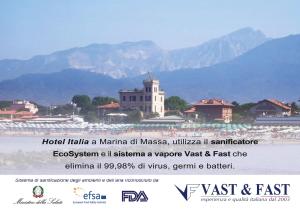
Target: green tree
[
  {"x": 173, "y": 113},
  {"x": 102, "y": 100},
  {"x": 241, "y": 112},
  {"x": 82, "y": 101},
  {"x": 243, "y": 109},
  {"x": 43, "y": 110},
  {"x": 151, "y": 115},
  {"x": 134, "y": 116},
  {"x": 294, "y": 108},
  {"x": 91, "y": 116},
  {"x": 235, "y": 104},
  {"x": 5, "y": 104},
  {"x": 175, "y": 103},
  {"x": 67, "y": 109}
]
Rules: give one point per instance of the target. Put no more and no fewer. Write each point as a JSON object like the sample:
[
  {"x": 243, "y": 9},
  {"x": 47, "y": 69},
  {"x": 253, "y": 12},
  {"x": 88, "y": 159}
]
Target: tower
[{"x": 153, "y": 97}]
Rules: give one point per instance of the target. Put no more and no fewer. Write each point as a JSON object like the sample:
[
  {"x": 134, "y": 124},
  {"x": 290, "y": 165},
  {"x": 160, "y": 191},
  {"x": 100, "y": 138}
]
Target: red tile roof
[
  {"x": 212, "y": 102},
  {"x": 13, "y": 112},
  {"x": 191, "y": 110},
  {"x": 8, "y": 112},
  {"x": 278, "y": 103},
  {"x": 112, "y": 105}
]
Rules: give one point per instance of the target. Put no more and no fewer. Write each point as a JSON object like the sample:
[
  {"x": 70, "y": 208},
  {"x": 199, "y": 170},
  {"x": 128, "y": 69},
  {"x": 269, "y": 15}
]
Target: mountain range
[
  {"x": 129, "y": 59},
  {"x": 270, "y": 70}
]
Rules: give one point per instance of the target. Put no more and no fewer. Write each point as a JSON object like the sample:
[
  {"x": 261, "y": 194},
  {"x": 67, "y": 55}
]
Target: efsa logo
[
  {"x": 81, "y": 196},
  {"x": 37, "y": 192},
  {"x": 133, "y": 196},
  {"x": 93, "y": 196},
  {"x": 188, "y": 190}
]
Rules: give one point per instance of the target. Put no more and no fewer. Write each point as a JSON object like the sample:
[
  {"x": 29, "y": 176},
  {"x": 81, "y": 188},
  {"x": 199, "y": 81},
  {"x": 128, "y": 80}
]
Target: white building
[
  {"x": 148, "y": 100},
  {"x": 23, "y": 105}
]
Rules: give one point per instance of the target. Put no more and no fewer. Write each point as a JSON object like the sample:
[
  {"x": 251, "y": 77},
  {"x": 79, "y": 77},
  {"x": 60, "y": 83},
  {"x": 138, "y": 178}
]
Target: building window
[
  {"x": 147, "y": 98},
  {"x": 141, "y": 108},
  {"x": 132, "y": 98},
  {"x": 141, "y": 98},
  {"x": 149, "y": 108},
  {"x": 155, "y": 98},
  {"x": 161, "y": 99},
  {"x": 124, "y": 98}
]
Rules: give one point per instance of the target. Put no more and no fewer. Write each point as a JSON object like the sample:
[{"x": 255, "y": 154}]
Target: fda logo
[{"x": 133, "y": 196}]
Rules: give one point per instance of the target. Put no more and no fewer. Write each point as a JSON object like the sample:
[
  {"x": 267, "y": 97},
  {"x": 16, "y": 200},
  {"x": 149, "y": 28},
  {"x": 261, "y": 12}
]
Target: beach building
[
  {"x": 15, "y": 115},
  {"x": 270, "y": 107},
  {"x": 19, "y": 110},
  {"x": 112, "y": 107},
  {"x": 150, "y": 99},
  {"x": 211, "y": 110}
]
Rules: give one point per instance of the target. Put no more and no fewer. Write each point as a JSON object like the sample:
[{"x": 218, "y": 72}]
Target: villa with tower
[{"x": 150, "y": 99}]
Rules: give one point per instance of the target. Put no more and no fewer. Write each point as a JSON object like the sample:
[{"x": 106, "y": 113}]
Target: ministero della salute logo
[
  {"x": 38, "y": 197},
  {"x": 38, "y": 191},
  {"x": 83, "y": 196}
]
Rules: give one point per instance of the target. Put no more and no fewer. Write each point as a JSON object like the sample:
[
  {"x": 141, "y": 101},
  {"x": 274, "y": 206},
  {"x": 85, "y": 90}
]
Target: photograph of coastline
[{"x": 177, "y": 77}]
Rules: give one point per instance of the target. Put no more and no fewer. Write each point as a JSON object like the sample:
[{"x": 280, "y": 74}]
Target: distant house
[
  {"x": 13, "y": 115},
  {"x": 23, "y": 105},
  {"x": 270, "y": 107},
  {"x": 108, "y": 108},
  {"x": 211, "y": 110},
  {"x": 19, "y": 110},
  {"x": 148, "y": 100}
]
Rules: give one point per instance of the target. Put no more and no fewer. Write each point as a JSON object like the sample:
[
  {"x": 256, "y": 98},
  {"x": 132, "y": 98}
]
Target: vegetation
[
  {"x": 134, "y": 116},
  {"x": 43, "y": 110},
  {"x": 82, "y": 101},
  {"x": 241, "y": 112},
  {"x": 67, "y": 109},
  {"x": 173, "y": 113},
  {"x": 295, "y": 108},
  {"x": 5, "y": 104},
  {"x": 151, "y": 115},
  {"x": 175, "y": 103},
  {"x": 100, "y": 100}
]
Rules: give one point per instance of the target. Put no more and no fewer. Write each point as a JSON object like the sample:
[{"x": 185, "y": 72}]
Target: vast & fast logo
[
  {"x": 227, "y": 190},
  {"x": 188, "y": 190}
]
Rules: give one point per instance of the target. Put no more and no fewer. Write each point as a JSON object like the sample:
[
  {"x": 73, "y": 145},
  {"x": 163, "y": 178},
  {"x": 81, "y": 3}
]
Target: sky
[{"x": 35, "y": 27}]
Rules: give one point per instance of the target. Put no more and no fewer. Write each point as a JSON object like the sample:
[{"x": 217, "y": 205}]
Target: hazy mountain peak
[
  {"x": 141, "y": 42},
  {"x": 217, "y": 50},
  {"x": 134, "y": 58},
  {"x": 272, "y": 67},
  {"x": 245, "y": 31}
]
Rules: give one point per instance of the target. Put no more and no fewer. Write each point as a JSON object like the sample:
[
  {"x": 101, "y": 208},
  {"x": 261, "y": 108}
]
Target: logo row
[
  {"x": 81, "y": 196},
  {"x": 225, "y": 191}
]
